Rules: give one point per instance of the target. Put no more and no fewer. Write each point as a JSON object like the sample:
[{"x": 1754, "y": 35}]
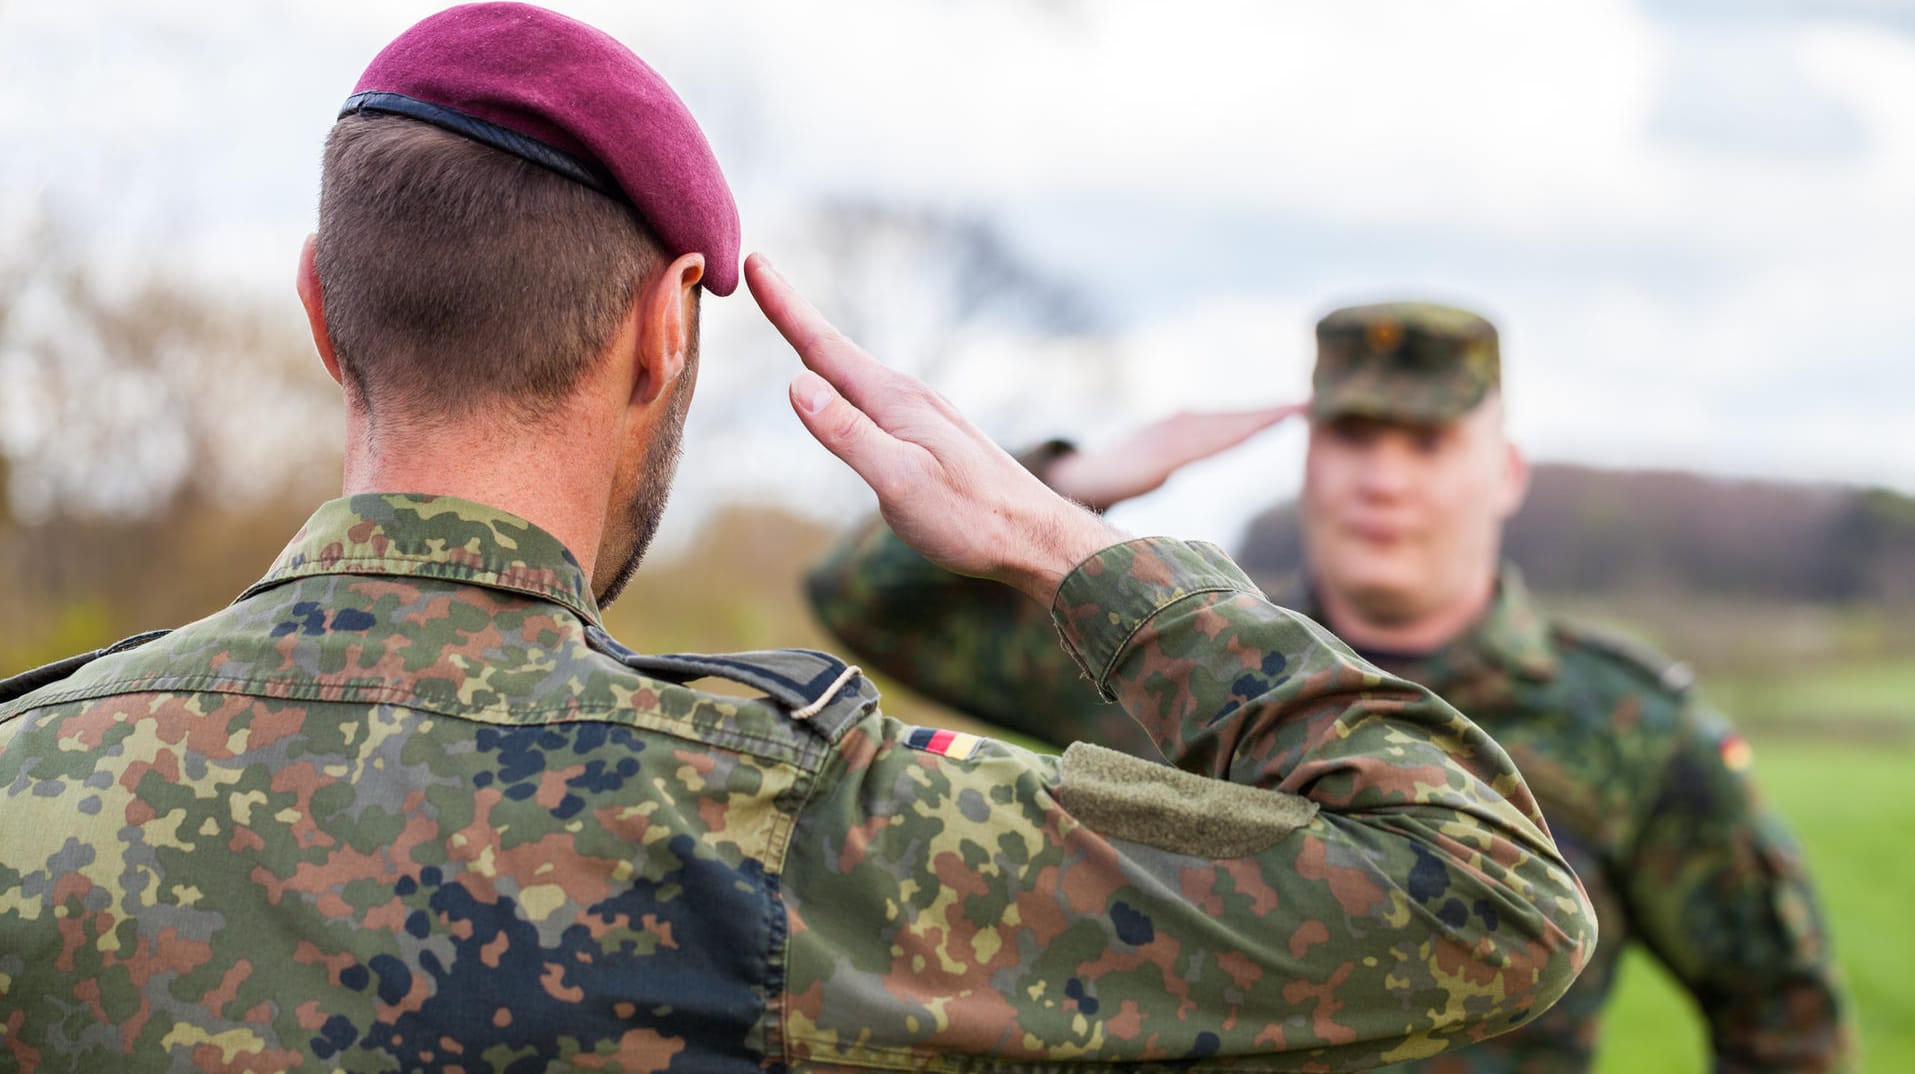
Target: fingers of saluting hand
[
  {"x": 847, "y": 399},
  {"x": 1254, "y": 421},
  {"x": 1262, "y": 417},
  {"x": 860, "y": 378},
  {"x": 942, "y": 485},
  {"x": 1224, "y": 429},
  {"x": 1188, "y": 437},
  {"x": 883, "y": 461}
]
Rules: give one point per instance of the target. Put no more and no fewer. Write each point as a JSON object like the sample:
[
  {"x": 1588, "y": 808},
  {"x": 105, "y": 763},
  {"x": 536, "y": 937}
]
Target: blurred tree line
[
  {"x": 1736, "y": 575},
  {"x": 134, "y": 415},
  {"x": 1587, "y": 530}
]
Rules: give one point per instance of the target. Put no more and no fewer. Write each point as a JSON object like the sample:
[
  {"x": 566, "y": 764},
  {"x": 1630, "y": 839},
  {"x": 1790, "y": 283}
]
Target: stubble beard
[{"x": 646, "y": 508}]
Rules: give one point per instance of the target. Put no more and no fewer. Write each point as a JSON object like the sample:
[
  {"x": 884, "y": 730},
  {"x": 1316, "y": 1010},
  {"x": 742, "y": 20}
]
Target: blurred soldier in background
[
  {"x": 405, "y": 805},
  {"x": 1408, "y": 482}
]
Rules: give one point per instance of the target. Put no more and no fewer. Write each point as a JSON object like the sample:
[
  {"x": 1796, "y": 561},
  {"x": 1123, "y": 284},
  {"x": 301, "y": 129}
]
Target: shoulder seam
[
  {"x": 27, "y": 684},
  {"x": 500, "y": 716}
]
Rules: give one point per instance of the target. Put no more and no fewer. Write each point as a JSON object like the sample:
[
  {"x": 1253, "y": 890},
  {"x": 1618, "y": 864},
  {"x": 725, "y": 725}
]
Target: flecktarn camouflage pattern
[
  {"x": 1415, "y": 362},
  {"x": 405, "y": 807},
  {"x": 1650, "y": 794},
  {"x": 1647, "y": 792}
]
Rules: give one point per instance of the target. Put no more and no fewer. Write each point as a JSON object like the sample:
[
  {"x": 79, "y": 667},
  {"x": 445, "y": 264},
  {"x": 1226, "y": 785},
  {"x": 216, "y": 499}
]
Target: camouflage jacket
[
  {"x": 1646, "y": 792},
  {"x": 404, "y": 806}
]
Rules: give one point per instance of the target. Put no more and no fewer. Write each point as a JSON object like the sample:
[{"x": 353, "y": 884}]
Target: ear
[
  {"x": 313, "y": 299},
  {"x": 1515, "y": 483},
  {"x": 668, "y": 323}
]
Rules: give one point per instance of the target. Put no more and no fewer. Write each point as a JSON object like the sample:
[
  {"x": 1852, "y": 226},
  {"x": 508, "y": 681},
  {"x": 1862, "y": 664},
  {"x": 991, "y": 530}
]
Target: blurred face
[{"x": 1403, "y": 523}]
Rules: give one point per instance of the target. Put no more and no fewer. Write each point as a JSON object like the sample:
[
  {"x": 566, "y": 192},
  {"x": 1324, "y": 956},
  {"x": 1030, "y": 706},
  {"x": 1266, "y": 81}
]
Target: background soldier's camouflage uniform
[
  {"x": 1645, "y": 789},
  {"x": 405, "y": 806}
]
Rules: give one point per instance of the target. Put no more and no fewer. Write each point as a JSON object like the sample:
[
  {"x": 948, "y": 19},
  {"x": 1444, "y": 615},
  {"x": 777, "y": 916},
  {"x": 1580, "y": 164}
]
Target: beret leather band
[{"x": 486, "y": 133}]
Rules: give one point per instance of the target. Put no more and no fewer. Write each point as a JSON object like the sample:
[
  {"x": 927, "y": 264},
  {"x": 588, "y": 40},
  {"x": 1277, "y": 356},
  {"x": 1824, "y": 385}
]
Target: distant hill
[{"x": 1587, "y": 530}]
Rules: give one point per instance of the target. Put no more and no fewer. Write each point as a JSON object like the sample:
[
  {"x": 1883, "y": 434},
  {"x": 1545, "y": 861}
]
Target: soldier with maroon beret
[{"x": 406, "y": 806}]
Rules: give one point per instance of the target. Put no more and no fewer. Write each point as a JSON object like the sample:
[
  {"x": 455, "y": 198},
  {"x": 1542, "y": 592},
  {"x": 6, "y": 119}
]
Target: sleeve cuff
[{"x": 1107, "y": 598}]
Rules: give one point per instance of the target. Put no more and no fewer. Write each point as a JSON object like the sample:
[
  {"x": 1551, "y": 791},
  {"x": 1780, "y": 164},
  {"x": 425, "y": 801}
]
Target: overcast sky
[{"x": 1692, "y": 220}]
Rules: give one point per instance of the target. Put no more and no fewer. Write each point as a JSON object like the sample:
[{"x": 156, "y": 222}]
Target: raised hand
[
  {"x": 1145, "y": 460},
  {"x": 942, "y": 485}
]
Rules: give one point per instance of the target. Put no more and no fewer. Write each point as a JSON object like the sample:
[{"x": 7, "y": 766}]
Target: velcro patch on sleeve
[
  {"x": 953, "y": 744},
  {"x": 1125, "y": 797}
]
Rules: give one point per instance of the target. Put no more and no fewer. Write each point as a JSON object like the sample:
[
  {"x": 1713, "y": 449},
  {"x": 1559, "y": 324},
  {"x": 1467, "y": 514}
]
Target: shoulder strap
[
  {"x": 1672, "y": 675},
  {"x": 28, "y": 681},
  {"x": 806, "y": 683}
]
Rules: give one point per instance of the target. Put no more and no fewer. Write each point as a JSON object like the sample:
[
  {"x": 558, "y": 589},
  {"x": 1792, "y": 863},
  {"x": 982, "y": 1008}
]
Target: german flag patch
[
  {"x": 1737, "y": 756},
  {"x": 953, "y": 744}
]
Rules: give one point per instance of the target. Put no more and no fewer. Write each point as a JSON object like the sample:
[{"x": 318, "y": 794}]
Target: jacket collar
[
  {"x": 418, "y": 536},
  {"x": 1511, "y": 637}
]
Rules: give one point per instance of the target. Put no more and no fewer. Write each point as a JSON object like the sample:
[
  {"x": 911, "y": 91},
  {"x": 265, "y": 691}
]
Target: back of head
[
  {"x": 502, "y": 181},
  {"x": 458, "y": 278}
]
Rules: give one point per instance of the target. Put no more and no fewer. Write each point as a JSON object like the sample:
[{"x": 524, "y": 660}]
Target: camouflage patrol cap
[{"x": 1414, "y": 362}]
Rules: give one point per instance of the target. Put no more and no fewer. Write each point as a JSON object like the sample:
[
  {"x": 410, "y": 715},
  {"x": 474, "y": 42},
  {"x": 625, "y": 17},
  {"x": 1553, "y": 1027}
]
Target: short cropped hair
[{"x": 456, "y": 277}]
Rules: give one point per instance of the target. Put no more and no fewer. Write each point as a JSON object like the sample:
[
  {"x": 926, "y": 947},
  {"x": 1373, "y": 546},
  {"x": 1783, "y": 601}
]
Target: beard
[{"x": 633, "y": 528}]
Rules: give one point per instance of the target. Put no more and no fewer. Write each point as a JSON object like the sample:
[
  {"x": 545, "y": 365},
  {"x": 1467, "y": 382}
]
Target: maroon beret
[{"x": 563, "y": 95}]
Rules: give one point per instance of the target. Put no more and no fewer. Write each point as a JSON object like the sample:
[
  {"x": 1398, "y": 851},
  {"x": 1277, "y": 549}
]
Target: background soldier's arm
[
  {"x": 1721, "y": 894},
  {"x": 980, "y": 647},
  {"x": 1376, "y": 885}
]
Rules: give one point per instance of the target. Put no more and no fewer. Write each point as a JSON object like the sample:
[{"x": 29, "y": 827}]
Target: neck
[
  {"x": 1424, "y": 634},
  {"x": 558, "y": 478}
]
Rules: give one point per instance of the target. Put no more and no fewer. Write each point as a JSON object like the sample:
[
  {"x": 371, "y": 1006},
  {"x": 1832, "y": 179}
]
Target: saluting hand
[
  {"x": 1146, "y": 459},
  {"x": 942, "y": 485}
]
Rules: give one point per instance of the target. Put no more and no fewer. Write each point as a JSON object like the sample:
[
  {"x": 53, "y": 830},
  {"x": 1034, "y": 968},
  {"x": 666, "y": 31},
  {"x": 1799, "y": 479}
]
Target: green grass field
[
  {"x": 1845, "y": 695},
  {"x": 1851, "y": 808}
]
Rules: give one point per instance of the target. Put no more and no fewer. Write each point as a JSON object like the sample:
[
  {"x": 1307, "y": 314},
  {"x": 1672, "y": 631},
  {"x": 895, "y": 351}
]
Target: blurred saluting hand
[{"x": 1145, "y": 460}]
